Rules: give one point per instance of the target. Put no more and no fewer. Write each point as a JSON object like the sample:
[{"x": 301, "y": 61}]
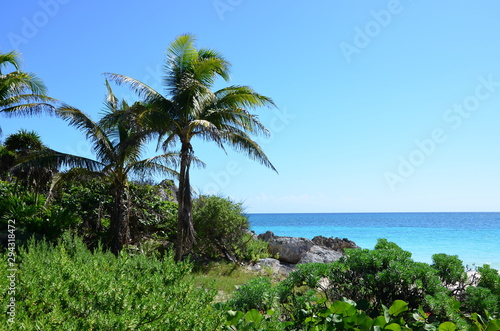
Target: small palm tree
[
  {"x": 19, "y": 146},
  {"x": 21, "y": 93},
  {"x": 118, "y": 142},
  {"x": 191, "y": 109}
]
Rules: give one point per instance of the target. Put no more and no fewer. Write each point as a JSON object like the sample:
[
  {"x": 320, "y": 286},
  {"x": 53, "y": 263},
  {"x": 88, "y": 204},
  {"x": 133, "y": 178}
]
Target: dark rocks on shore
[{"x": 296, "y": 250}]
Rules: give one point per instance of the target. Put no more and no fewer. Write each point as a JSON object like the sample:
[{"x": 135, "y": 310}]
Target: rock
[
  {"x": 267, "y": 236},
  {"x": 254, "y": 236},
  {"x": 168, "y": 190},
  {"x": 318, "y": 254},
  {"x": 302, "y": 250},
  {"x": 288, "y": 249},
  {"x": 275, "y": 266},
  {"x": 336, "y": 244}
]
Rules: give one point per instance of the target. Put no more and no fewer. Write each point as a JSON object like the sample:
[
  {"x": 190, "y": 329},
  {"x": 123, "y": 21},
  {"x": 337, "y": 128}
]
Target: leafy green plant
[
  {"x": 450, "y": 269},
  {"x": 486, "y": 296},
  {"x": 384, "y": 274},
  {"x": 67, "y": 287},
  {"x": 223, "y": 230},
  {"x": 31, "y": 215},
  {"x": 342, "y": 315},
  {"x": 258, "y": 294}
]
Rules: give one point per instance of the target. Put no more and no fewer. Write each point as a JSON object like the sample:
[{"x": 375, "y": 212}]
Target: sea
[{"x": 474, "y": 237}]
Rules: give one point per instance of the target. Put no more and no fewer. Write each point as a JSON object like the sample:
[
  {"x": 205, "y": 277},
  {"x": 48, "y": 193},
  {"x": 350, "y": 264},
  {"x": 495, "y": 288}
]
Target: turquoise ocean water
[{"x": 474, "y": 237}]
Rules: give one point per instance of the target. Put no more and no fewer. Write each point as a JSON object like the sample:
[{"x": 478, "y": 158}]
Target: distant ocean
[{"x": 474, "y": 237}]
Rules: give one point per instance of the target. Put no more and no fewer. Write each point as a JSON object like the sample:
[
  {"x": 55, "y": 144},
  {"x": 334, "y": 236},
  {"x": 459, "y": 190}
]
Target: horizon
[{"x": 383, "y": 107}]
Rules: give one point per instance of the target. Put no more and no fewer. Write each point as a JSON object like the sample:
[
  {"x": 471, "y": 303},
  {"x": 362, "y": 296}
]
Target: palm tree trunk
[
  {"x": 185, "y": 228},
  {"x": 120, "y": 229}
]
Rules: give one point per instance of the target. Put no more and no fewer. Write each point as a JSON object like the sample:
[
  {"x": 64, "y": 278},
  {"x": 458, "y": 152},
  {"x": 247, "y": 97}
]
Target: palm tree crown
[{"x": 21, "y": 93}]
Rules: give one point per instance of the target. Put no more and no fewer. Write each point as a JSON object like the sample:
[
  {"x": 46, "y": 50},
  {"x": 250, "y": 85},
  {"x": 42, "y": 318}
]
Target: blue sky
[{"x": 384, "y": 106}]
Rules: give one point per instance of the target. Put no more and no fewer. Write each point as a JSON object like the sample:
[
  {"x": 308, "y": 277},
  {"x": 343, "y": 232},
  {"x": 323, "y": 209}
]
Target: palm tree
[
  {"x": 118, "y": 143},
  {"x": 191, "y": 109},
  {"x": 17, "y": 147},
  {"x": 21, "y": 93}
]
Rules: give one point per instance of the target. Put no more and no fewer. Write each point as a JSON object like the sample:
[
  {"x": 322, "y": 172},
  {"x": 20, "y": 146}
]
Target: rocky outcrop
[
  {"x": 296, "y": 250},
  {"x": 288, "y": 249},
  {"x": 336, "y": 244},
  {"x": 168, "y": 190},
  {"x": 318, "y": 254},
  {"x": 272, "y": 265}
]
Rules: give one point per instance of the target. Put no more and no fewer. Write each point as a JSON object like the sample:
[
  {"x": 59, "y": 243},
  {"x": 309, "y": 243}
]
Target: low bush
[
  {"x": 223, "y": 230},
  {"x": 258, "y": 294},
  {"x": 67, "y": 287},
  {"x": 31, "y": 215}
]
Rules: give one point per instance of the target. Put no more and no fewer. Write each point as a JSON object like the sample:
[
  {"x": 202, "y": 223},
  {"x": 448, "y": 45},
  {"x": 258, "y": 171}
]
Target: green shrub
[
  {"x": 92, "y": 201},
  {"x": 223, "y": 231},
  {"x": 384, "y": 274},
  {"x": 490, "y": 279},
  {"x": 31, "y": 215},
  {"x": 67, "y": 287},
  {"x": 252, "y": 249},
  {"x": 479, "y": 299},
  {"x": 450, "y": 269},
  {"x": 149, "y": 212},
  {"x": 258, "y": 294},
  {"x": 487, "y": 294}
]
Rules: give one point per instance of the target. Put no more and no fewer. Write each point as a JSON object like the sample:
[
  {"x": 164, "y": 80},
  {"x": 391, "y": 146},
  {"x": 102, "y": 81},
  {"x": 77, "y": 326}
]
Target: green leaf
[
  {"x": 387, "y": 316},
  {"x": 493, "y": 325},
  {"x": 447, "y": 326},
  {"x": 365, "y": 323},
  {"x": 253, "y": 316},
  {"x": 233, "y": 317},
  {"x": 380, "y": 321},
  {"x": 393, "y": 326},
  {"x": 398, "y": 307},
  {"x": 338, "y": 307}
]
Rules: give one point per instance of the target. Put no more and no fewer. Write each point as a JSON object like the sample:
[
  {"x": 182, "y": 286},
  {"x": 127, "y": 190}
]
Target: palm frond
[
  {"x": 241, "y": 142},
  {"x": 241, "y": 97},
  {"x": 143, "y": 91},
  {"x": 103, "y": 147},
  {"x": 49, "y": 158},
  {"x": 27, "y": 109},
  {"x": 160, "y": 164},
  {"x": 12, "y": 58}
]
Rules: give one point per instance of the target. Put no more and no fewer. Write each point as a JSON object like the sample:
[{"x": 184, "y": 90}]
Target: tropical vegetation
[
  {"x": 98, "y": 244},
  {"x": 191, "y": 109}
]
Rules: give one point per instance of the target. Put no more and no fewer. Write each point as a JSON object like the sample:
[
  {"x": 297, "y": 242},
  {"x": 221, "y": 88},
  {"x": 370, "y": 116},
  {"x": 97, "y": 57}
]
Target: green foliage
[
  {"x": 372, "y": 278},
  {"x": 490, "y": 279},
  {"x": 149, "y": 212},
  {"x": 258, "y": 294},
  {"x": 222, "y": 276},
  {"x": 486, "y": 296},
  {"x": 67, "y": 287},
  {"x": 92, "y": 201},
  {"x": 479, "y": 299},
  {"x": 31, "y": 215},
  {"x": 384, "y": 274},
  {"x": 252, "y": 249},
  {"x": 222, "y": 230},
  {"x": 450, "y": 269},
  {"x": 346, "y": 315}
]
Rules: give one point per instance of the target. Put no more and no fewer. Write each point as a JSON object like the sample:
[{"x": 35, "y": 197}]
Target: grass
[{"x": 225, "y": 277}]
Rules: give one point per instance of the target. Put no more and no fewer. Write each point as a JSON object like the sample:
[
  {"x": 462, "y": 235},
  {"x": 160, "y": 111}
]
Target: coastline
[{"x": 474, "y": 237}]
